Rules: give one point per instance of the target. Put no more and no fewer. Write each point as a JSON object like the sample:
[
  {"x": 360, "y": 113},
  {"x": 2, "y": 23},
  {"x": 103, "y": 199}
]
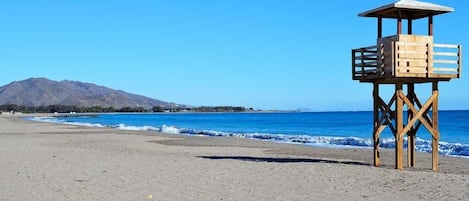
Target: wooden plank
[
  {"x": 415, "y": 38},
  {"x": 416, "y": 75},
  {"x": 377, "y": 125},
  {"x": 364, "y": 63},
  {"x": 442, "y": 61},
  {"x": 447, "y": 54},
  {"x": 460, "y": 61},
  {"x": 366, "y": 72},
  {"x": 412, "y": 70},
  {"x": 411, "y": 44},
  {"x": 443, "y": 76},
  {"x": 367, "y": 65},
  {"x": 445, "y": 45},
  {"x": 435, "y": 133},
  {"x": 411, "y": 63},
  {"x": 421, "y": 48},
  {"x": 399, "y": 124},
  {"x": 414, "y": 55},
  {"x": 393, "y": 58},
  {"x": 368, "y": 47},
  {"x": 373, "y": 53},
  {"x": 410, "y": 66},
  {"x": 440, "y": 69},
  {"x": 403, "y": 72},
  {"x": 366, "y": 57},
  {"x": 412, "y": 133},
  {"x": 430, "y": 59},
  {"x": 354, "y": 77},
  {"x": 368, "y": 51}
]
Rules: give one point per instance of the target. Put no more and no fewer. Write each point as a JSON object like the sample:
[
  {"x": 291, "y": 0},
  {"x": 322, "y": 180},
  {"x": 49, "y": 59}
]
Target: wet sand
[{"x": 43, "y": 161}]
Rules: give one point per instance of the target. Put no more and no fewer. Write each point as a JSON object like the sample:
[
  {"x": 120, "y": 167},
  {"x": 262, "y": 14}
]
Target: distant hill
[{"x": 42, "y": 91}]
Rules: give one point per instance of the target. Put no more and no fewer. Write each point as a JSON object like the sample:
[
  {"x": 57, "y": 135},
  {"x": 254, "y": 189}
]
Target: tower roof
[{"x": 412, "y": 9}]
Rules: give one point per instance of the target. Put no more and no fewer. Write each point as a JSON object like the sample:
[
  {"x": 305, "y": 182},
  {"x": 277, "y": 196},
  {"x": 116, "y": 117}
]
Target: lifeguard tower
[{"x": 404, "y": 60}]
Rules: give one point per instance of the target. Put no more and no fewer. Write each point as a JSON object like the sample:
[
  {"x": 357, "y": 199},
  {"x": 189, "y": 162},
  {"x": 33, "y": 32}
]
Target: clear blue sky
[{"x": 267, "y": 54}]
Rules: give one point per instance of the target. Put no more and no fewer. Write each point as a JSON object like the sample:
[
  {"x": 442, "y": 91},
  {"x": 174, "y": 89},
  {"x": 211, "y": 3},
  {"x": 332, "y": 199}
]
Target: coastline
[
  {"x": 55, "y": 161},
  {"x": 339, "y": 135}
]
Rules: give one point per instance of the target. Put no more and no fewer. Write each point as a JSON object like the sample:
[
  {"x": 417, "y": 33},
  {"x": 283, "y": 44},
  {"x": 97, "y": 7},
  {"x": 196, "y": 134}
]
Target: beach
[{"x": 44, "y": 161}]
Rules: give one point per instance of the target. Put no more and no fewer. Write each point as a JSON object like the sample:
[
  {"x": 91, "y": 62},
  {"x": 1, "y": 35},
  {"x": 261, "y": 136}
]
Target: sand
[{"x": 42, "y": 161}]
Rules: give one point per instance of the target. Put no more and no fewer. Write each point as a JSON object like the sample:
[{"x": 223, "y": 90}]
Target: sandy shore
[{"x": 41, "y": 161}]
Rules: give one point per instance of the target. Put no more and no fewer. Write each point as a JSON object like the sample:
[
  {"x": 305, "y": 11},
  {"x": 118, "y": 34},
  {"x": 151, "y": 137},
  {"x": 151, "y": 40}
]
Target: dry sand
[{"x": 41, "y": 161}]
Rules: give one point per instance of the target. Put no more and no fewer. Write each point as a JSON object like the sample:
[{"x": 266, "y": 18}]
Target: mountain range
[{"x": 44, "y": 92}]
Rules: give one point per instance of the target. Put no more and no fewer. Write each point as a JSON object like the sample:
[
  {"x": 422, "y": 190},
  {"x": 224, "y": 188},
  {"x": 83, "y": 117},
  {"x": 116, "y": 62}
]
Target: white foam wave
[
  {"x": 56, "y": 120},
  {"x": 170, "y": 129},
  {"x": 85, "y": 124},
  {"x": 135, "y": 128},
  {"x": 45, "y": 119},
  {"x": 422, "y": 145}
]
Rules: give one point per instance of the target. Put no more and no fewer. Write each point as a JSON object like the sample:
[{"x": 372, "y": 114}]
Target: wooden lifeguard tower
[{"x": 406, "y": 60}]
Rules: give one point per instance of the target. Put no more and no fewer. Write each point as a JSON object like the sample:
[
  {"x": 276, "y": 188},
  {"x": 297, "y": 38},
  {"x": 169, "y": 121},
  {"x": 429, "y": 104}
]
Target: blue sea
[{"x": 332, "y": 129}]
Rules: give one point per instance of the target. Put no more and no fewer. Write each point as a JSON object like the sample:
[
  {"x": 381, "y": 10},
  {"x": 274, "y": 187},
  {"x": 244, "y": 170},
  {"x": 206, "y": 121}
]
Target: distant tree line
[
  {"x": 220, "y": 109},
  {"x": 99, "y": 109},
  {"x": 66, "y": 109},
  {"x": 202, "y": 109}
]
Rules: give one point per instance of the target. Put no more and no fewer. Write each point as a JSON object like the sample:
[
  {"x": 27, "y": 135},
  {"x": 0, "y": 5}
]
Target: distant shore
[{"x": 43, "y": 161}]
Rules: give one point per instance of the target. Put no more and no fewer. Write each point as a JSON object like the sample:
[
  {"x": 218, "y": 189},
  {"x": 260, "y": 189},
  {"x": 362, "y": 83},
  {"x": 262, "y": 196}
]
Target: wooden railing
[
  {"x": 407, "y": 59},
  {"x": 364, "y": 62},
  {"x": 447, "y": 61}
]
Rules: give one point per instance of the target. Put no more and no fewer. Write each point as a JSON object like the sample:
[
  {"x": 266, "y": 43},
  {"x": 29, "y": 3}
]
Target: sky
[{"x": 265, "y": 54}]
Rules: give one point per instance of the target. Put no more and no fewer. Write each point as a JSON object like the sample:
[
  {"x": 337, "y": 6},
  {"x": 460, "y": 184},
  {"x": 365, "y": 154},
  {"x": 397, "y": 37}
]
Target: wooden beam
[
  {"x": 353, "y": 64},
  {"x": 418, "y": 115},
  {"x": 460, "y": 60},
  {"x": 378, "y": 128},
  {"x": 412, "y": 133},
  {"x": 399, "y": 26},
  {"x": 409, "y": 25},
  {"x": 435, "y": 133},
  {"x": 380, "y": 27},
  {"x": 399, "y": 124},
  {"x": 420, "y": 105},
  {"x": 411, "y": 158},
  {"x": 388, "y": 109},
  {"x": 382, "y": 105},
  {"x": 430, "y": 25}
]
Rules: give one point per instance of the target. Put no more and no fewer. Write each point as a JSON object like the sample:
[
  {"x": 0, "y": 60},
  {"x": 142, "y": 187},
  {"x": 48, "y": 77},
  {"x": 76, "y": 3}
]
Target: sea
[{"x": 326, "y": 129}]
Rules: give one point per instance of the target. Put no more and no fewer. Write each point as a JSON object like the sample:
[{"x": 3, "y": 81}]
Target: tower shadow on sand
[{"x": 282, "y": 160}]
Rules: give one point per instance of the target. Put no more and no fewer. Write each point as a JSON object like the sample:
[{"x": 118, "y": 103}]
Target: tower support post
[
  {"x": 399, "y": 135},
  {"x": 376, "y": 124},
  {"x": 435, "y": 132},
  {"x": 391, "y": 114},
  {"x": 411, "y": 135}
]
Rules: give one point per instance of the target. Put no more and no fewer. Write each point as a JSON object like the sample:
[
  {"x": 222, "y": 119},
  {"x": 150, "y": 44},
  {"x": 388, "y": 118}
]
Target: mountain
[{"x": 42, "y": 91}]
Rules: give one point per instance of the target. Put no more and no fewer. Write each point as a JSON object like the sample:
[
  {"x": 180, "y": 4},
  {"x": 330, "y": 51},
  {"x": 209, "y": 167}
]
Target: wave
[
  {"x": 422, "y": 145},
  {"x": 56, "y": 120}
]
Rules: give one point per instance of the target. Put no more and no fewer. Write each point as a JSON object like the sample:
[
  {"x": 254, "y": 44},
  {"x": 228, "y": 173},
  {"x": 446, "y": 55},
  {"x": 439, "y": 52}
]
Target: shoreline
[
  {"x": 56, "y": 161},
  {"x": 351, "y": 142}
]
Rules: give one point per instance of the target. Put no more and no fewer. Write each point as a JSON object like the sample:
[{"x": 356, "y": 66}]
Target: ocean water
[{"x": 336, "y": 129}]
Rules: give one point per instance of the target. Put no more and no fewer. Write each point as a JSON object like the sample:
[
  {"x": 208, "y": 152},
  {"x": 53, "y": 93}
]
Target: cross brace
[{"x": 391, "y": 115}]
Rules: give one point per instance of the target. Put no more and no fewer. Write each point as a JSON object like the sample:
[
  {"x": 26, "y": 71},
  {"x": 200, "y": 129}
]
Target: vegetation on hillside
[{"x": 99, "y": 109}]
